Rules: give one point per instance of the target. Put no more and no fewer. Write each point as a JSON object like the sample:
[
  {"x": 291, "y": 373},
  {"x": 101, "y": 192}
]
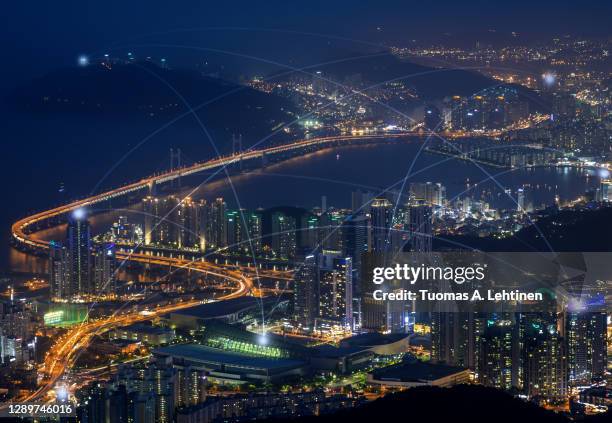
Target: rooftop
[
  {"x": 373, "y": 338},
  {"x": 330, "y": 351},
  {"x": 223, "y": 308},
  {"x": 416, "y": 371},
  {"x": 141, "y": 328},
  {"x": 203, "y": 354}
]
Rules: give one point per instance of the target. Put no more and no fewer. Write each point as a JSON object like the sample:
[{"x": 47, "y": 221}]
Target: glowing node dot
[
  {"x": 78, "y": 214},
  {"x": 549, "y": 78},
  {"x": 83, "y": 61}
]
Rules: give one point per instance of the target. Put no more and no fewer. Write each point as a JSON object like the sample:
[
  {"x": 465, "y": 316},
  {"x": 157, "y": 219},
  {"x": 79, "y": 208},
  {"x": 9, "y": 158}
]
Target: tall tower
[
  {"x": 381, "y": 211},
  {"x": 236, "y": 144},
  {"x": 233, "y": 223},
  {"x": 454, "y": 338},
  {"x": 544, "y": 357},
  {"x": 78, "y": 244},
  {"x": 157, "y": 220},
  {"x": 354, "y": 238},
  {"x": 175, "y": 163},
  {"x": 420, "y": 227},
  {"x": 586, "y": 342},
  {"x": 104, "y": 270},
  {"x": 306, "y": 292},
  {"x": 188, "y": 216},
  {"x": 498, "y": 366},
  {"x": 283, "y": 236},
  {"x": 336, "y": 291},
  {"x": 59, "y": 271},
  {"x": 217, "y": 227},
  {"x": 520, "y": 200}
]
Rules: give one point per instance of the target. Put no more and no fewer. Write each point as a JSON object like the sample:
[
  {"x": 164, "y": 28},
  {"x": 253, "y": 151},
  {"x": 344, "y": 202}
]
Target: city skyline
[{"x": 243, "y": 215}]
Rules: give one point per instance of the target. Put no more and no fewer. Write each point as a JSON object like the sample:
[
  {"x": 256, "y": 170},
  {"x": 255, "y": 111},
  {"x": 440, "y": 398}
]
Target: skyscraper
[
  {"x": 217, "y": 229},
  {"x": 454, "y": 337},
  {"x": 433, "y": 194},
  {"x": 420, "y": 229},
  {"x": 188, "y": 220},
  {"x": 586, "y": 346},
  {"x": 458, "y": 113},
  {"x": 306, "y": 292},
  {"x": 497, "y": 364},
  {"x": 563, "y": 106},
  {"x": 544, "y": 357},
  {"x": 234, "y": 230},
  {"x": 104, "y": 270},
  {"x": 336, "y": 291},
  {"x": 252, "y": 234},
  {"x": 59, "y": 272},
  {"x": 283, "y": 236},
  {"x": 157, "y": 220},
  {"x": 520, "y": 200},
  {"x": 329, "y": 235},
  {"x": 380, "y": 212},
  {"x": 354, "y": 238},
  {"x": 360, "y": 201},
  {"x": 78, "y": 244},
  {"x": 310, "y": 232}
]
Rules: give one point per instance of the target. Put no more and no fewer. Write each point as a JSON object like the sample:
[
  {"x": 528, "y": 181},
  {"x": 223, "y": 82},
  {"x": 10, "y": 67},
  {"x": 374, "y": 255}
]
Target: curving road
[
  {"x": 64, "y": 352},
  {"x": 21, "y": 230}
]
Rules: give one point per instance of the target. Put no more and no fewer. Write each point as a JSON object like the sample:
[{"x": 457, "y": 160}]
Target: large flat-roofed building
[
  {"x": 227, "y": 366},
  {"x": 416, "y": 373},
  {"x": 229, "y": 311},
  {"x": 150, "y": 335},
  {"x": 378, "y": 343},
  {"x": 344, "y": 359}
]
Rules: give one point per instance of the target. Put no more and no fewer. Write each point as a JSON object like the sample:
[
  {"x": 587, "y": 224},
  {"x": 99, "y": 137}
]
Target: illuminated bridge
[{"x": 22, "y": 230}]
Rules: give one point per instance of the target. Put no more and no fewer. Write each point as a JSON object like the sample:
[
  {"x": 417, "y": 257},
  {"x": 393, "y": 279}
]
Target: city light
[{"x": 351, "y": 247}]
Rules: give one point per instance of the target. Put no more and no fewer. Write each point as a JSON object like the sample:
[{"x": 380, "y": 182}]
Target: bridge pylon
[
  {"x": 237, "y": 147},
  {"x": 175, "y": 163},
  {"x": 152, "y": 188}
]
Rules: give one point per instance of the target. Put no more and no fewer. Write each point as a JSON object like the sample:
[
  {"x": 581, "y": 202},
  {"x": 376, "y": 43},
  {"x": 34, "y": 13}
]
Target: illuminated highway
[
  {"x": 22, "y": 230},
  {"x": 23, "y": 235},
  {"x": 244, "y": 283},
  {"x": 64, "y": 351}
]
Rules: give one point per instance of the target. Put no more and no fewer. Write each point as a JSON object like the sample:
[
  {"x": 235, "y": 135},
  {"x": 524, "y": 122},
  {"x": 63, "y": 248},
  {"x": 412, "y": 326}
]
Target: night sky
[{"x": 44, "y": 35}]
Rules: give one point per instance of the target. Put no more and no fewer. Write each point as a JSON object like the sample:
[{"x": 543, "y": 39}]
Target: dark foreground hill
[
  {"x": 467, "y": 403},
  {"x": 143, "y": 89}
]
